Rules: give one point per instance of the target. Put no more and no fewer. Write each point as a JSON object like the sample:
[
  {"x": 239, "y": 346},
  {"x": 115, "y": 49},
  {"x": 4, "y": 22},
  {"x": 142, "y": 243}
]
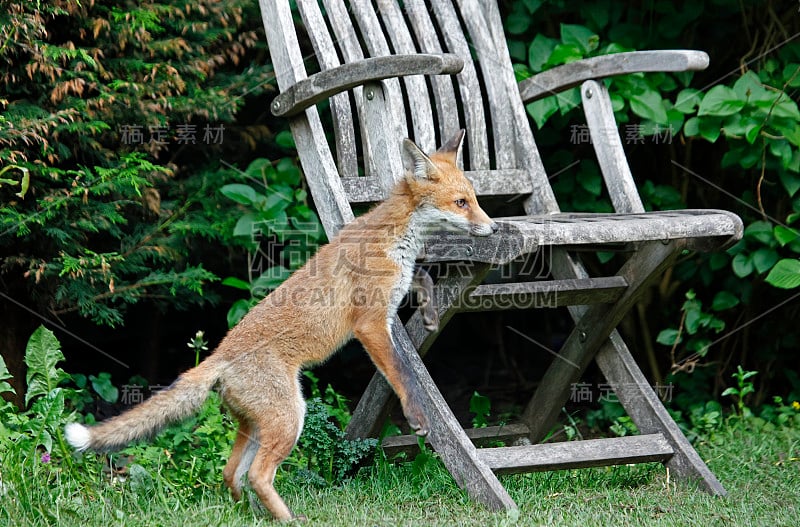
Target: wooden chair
[{"x": 356, "y": 77}]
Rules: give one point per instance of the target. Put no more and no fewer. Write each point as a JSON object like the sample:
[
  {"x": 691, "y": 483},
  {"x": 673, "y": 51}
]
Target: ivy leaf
[
  {"x": 649, "y": 106},
  {"x": 285, "y": 139},
  {"x": 742, "y": 265},
  {"x": 590, "y": 179},
  {"x": 687, "y": 100},
  {"x": 533, "y": 5},
  {"x": 760, "y": 231},
  {"x": 752, "y": 130},
  {"x": 668, "y": 337},
  {"x": 237, "y": 311},
  {"x": 261, "y": 169},
  {"x": 568, "y": 100},
  {"x": 790, "y": 72},
  {"x": 764, "y": 258},
  {"x": 104, "y": 388},
  {"x": 539, "y": 51},
  {"x": 245, "y": 226},
  {"x": 542, "y": 109},
  {"x": 238, "y": 283},
  {"x": 710, "y": 128},
  {"x": 724, "y": 300},
  {"x": 791, "y": 182},
  {"x": 780, "y": 106},
  {"x": 564, "y": 54},
  {"x": 783, "y": 234},
  {"x": 240, "y": 193},
  {"x": 518, "y": 22},
  {"x": 720, "y": 101},
  {"x": 481, "y": 406},
  {"x": 584, "y": 38},
  {"x": 692, "y": 127},
  {"x": 785, "y": 274},
  {"x": 748, "y": 87}
]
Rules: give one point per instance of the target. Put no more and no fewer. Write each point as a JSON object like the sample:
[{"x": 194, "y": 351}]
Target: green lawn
[{"x": 759, "y": 467}]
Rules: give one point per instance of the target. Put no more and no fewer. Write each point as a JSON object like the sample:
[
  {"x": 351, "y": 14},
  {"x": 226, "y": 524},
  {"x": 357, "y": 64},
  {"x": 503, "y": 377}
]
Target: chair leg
[
  {"x": 378, "y": 400},
  {"x": 645, "y": 409},
  {"x": 593, "y": 326},
  {"x": 447, "y": 436}
]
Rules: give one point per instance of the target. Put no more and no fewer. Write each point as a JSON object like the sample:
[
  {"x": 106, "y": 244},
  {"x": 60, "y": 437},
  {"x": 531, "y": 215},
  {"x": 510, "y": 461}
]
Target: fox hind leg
[
  {"x": 242, "y": 455},
  {"x": 275, "y": 446}
]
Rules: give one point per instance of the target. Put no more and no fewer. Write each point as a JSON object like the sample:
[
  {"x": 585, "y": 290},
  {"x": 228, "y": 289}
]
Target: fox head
[{"x": 445, "y": 196}]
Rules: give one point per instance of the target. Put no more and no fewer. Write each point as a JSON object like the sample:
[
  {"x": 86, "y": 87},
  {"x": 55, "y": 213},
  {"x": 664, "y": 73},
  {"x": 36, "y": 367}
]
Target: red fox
[{"x": 350, "y": 288}]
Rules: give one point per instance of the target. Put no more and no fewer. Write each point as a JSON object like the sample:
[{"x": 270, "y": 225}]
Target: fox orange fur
[{"x": 350, "y": 288}]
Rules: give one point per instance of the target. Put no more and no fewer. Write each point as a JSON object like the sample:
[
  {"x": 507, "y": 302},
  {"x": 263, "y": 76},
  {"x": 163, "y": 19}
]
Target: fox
[{"x": 351, "y": 288}]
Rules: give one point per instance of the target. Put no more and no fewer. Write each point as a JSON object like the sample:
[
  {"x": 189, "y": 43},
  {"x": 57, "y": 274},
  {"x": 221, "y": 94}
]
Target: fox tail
[{"x": 173, "y": 404}]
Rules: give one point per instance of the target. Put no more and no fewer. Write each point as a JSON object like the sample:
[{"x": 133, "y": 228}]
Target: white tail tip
[{"x": 78, "y": 436}]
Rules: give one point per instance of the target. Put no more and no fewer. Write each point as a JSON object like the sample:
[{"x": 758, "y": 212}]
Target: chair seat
[{"x": 704, "y": 230}]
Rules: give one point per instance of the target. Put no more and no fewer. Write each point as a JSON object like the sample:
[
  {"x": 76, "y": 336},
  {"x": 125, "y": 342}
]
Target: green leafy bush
[
  {"x": 728, "y": 138},
  {"x": 113, "y": 126},
  {"x": 277, "y": 226}
]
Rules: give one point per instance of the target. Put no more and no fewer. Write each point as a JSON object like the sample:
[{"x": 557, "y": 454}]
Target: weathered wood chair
[{"x": 384, "y": 70}]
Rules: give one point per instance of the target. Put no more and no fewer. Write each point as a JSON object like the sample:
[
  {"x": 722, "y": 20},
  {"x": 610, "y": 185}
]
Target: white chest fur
[{"x": 404, "y": 252}]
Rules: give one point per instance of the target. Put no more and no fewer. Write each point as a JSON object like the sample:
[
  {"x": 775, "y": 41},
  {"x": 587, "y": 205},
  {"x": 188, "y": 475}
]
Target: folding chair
[{"x": 383, "y": 70}]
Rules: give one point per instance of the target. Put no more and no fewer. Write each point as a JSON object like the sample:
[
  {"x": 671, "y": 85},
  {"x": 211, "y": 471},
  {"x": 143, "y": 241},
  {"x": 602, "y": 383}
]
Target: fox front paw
[
  {"x": 416, "y": 419},
  {"x": 430, "y": 317}
]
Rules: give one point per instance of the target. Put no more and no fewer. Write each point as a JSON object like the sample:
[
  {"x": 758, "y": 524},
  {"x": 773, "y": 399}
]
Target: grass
[{"x": 758, "y": 464}]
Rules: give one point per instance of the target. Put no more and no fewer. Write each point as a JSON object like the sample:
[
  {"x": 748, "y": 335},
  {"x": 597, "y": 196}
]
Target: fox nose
[{"x": 495, "y": 227}]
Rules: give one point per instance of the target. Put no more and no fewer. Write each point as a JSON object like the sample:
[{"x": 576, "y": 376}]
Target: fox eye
[{"x": 461, "y": 203}]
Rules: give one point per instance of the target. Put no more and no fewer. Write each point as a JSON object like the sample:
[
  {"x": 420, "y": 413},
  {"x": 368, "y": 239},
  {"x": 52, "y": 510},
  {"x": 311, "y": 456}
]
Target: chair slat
[
  {"x": 416, "y": 87},
  {"x": 469, "y": 87},
  {"x": 486, "y": 436},
  {"x": 443, "y": 93},
  {"x": 377, "y": 46},
  {"x": 490, "y": 62},
  {"x": 350, "y": 48},
  {"x": 550, "y": 293},
  {"x": 343, "y": 128},
  {"x": 486, "y": 183},
  {"x": 577, "y": 454},
  {"x": 318, "y": 164},
  {"x": 542, "y": 200}
]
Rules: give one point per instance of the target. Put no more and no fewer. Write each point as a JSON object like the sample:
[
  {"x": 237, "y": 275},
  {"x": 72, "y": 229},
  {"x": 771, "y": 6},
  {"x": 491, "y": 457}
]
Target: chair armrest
[
  {"x": 569, "y": 75},
  {"x": 324, "y": 84}
]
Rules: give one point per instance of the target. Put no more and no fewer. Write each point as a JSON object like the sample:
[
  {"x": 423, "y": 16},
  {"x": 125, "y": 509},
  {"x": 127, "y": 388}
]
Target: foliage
[
  {"x": 39, "y": 427},
  {"x": 278, "y": 216},
  {"x": 748, "y": 460},
  {"x": 323, "y": 455},
  {"x": 699, "y": 325},
  {"x": 189, "y": 456},
  {"x": 114, "y": 119},
  {"x": 179, "y": 475},
  {"x": 743, "y": 388},
  {"x": 481, "y": 407},
  {"x": 612, "y": 415},
  {"x": 727, "y": 138}
]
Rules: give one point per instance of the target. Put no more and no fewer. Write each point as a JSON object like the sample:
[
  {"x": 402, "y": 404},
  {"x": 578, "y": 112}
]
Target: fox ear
[
  {"x": 452, "y": 147},
  {"x": 416, "y": 162}
]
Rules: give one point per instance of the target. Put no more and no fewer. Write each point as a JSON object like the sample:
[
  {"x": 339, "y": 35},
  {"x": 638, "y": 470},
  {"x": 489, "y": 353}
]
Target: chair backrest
[{"x": 500, "y": 155}]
